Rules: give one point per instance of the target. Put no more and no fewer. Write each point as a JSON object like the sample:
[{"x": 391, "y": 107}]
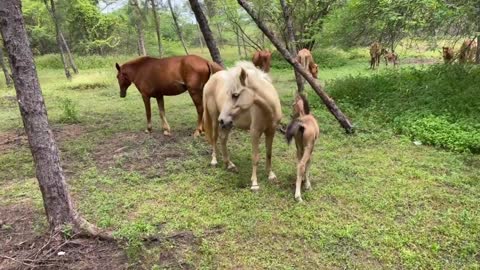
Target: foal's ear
[
  {"x": 243, "y": 77},
  {"x": 117, "y": 66}
]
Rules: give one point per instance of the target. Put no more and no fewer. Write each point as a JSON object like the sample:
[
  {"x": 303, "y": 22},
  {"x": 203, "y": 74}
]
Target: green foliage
[
  {"x": 438, "y": 106},
  {"x": 53, "y": 61},
  {"x": 70, "y": 113}
]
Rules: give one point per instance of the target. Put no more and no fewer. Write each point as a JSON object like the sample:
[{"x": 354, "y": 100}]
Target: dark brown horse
[
  {"x": 262, "y": 59},
  {"x": 169, "y": 76}
]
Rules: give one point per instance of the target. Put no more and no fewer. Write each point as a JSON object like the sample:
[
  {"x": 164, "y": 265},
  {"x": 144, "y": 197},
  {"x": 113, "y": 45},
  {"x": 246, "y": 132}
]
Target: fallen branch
[{"x": 18, "y": 261}]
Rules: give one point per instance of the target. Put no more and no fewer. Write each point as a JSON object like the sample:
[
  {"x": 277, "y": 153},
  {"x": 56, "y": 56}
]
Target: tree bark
[
  {"x": 69, "y": 54},
  {"x": 207, "y": 33},
  {"x": 139, "y": 26},
  {"x": 8, "y": 80},
  {"x": 329, "y": 102},
  {"x": 177, "y": 26},
  {"x": 291, "y": 44},
  {"x": 237, "y": 35},
  {"x": 51, "y": 9},
  {"x": 157, "y": 27}
]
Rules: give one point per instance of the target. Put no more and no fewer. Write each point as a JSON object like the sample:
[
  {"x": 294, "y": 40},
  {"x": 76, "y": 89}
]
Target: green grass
[{"x": 378, "y": 201}]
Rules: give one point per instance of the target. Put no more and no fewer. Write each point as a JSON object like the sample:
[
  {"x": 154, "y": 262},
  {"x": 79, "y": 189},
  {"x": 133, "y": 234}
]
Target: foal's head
[
  {"x": 300, "y": 106},
  {"x": 123, "y": 80},
  {"x": 314, "y": 70}
]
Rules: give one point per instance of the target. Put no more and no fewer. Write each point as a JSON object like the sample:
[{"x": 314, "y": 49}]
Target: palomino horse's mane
[{"x": 249, "y": 66}]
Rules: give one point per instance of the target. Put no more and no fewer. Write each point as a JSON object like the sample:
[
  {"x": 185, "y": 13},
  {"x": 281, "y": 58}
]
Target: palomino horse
[
  {"x": 169, "y": 76},
  {"x": 244, "y": 97},
  {"x": 304, "y": 129},
  {"x": 262, "y": 59},
  {"x": 305, "y": 58}
]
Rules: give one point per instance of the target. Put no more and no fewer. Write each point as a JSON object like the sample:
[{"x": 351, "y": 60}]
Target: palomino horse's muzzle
[{"x": 225, "y": 124}]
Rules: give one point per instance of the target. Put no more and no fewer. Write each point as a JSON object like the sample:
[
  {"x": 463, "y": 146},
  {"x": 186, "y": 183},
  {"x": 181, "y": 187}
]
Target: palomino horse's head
[
  {"x": 239, "y": 99},
  {"x": 123, "y": 81}
]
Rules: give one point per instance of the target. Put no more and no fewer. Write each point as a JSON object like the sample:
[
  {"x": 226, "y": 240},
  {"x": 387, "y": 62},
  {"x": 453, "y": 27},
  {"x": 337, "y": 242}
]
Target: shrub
[{"x": 70, "y": 113}]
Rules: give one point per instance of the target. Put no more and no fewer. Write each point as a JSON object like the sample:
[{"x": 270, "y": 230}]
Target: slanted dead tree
[
  {"x": 207, "y": 33},
  {"x": 329, "y": 102},
  {"x": 291, "y": 43},
  {"x": 177, "y": 26},
  {"x": 156, "y": 19},
  {"x": 51, "y": 179}
]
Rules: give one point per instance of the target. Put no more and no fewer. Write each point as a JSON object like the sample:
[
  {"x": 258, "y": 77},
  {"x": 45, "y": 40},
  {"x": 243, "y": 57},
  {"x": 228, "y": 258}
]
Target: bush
[
  {"x": 70, "y": 113},
  {"x": 438, "y": 106}
]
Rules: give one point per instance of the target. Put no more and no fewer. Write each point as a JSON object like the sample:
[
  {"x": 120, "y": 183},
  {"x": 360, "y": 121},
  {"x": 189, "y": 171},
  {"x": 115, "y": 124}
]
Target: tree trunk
[
  {"x": 200, "y": 38},
  {"x": 69, "y": 54},
  {"x": 477, "y": 57},
  {"x": 157, "y": 27},
  {"x": 239, "y": 48},
  {"x": 220, "y": 38},
  {"x": 8, "y": 80},
  {"x": 177, "y": 26},
  {"x": 51, "y": 9},
  {"x": 291, "y": 41},
  {"x": 139, "y": 26},
  {"x": 329, "y": 102},
  {"x": 244, "y": 45},
  {"x": 207, "y": 33}
]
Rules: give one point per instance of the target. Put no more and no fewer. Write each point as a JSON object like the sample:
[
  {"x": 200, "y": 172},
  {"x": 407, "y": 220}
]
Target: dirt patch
[
  {"x": 21, "y": 248},
  {"x": 139, "y": 151},
  {"x": 14, "y": 139}
]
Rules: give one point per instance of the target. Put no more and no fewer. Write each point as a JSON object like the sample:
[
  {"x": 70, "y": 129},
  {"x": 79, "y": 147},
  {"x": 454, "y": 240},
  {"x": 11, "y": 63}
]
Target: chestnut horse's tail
[{"x": 213, "y": 67}]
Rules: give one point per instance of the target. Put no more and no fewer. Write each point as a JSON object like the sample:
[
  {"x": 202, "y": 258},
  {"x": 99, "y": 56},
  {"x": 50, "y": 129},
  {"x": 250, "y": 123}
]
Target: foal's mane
[{"x": 306, "y": 106}]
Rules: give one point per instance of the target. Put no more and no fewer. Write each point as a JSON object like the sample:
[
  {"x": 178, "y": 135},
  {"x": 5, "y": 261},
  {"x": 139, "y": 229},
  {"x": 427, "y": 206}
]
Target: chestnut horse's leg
[
  {"x": 148, "y": 112},
  {"x": 268, "y": 144},
  {"x": 196, "y": 95},
  {"x": 161, "y": 109},
  {"x": 255, "y": 157}
]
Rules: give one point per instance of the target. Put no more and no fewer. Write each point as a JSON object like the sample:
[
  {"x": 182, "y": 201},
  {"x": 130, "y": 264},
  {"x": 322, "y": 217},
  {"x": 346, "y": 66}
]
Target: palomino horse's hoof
[
  {"x": 166, "y": 133},
  {"x": 308, "y": 186},
  {"x": 255, "y": 188},
  {"x": 298, "y": 199},
  {"x": 213, "y": 163}
]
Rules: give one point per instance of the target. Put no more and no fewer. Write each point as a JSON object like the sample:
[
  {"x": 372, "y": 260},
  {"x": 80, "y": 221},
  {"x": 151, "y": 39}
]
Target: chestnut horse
[
  {"x": 169, "y": 76},
  {"x": 244, "y": 97},
  {"x": 376, "y": 51},
  {"x": 304, "y": 128},
  {"x": 447, "y": 54},
  {"x": 262, "y": 59},
  {"x": 305, "y": 58}
]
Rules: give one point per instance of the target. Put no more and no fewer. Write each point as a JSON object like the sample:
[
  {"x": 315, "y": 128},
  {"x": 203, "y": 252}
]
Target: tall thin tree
[
  {"x": 207, "y": 33},
  {"x": 139, "y": 18},
  {"x": 8, "y": 80},
  {"x": 177, "y": 26},
  {"x": 156, "y": 18},
  {"x": 329, "y": 102},
  {"x": 56, "y": 198}
]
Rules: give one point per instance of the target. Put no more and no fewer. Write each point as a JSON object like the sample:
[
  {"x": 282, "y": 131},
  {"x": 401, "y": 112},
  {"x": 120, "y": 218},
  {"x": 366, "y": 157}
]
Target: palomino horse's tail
[{"x": 296, "y": 126}]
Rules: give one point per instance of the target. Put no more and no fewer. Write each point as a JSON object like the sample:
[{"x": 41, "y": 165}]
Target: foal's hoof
[
  {"x": 166, "y": 133},
  {"x": 213, "y": 163},
  {"x": 255, "y": 188},
  {"x": 148, "y": 130},
  {"x": 196, "y": 134},
  {"x": 272, "y": 176},
  {"x": 298, "y": 199},
  {"x": 232, "y": 168}
]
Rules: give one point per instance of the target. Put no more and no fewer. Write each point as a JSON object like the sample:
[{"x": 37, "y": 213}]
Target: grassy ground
[{"x": 378, "y": 201}]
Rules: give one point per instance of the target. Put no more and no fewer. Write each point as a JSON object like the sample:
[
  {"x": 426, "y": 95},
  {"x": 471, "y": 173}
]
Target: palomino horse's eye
[{"x": 235, "y": 95}]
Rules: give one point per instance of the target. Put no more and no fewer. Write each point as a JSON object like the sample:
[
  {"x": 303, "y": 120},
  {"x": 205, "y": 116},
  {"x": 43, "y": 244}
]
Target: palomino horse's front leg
[
  {"x": 268, "y": 143},
  {"x": 161, "y": 109},
  {"x": 148, "y": 112},
  {"x": 226, "y": 159},
  {"x": 255, "y": 157}
]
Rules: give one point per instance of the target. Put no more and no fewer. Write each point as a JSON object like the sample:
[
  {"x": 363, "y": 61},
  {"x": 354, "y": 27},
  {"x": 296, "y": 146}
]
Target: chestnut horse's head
[
  {"x": 123, "y": 81},
  {"x": 314, "y": 70}
]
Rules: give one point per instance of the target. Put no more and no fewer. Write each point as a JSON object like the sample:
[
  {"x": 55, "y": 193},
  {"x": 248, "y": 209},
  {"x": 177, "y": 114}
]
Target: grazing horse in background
[
  {"x": 305, "y": 58},
  {"x": 391, "y": 57},
  {"x": 304, "y": 128},
  {"x": 447, "y": 54},
  {"x": 468, "y": 51},
  {"x": 244, "y": 97},
  {"x": 262, "y": 59},
  {"x": 169, "y": 76},
  {"x": 376, "y": 51}
]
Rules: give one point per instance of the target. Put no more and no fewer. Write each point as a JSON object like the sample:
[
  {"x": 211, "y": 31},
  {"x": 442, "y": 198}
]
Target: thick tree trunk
[
  {"x": 51, "y": 9},
  {"x": 139, "y": 27},
  {"x": 329, "y": 102},
  {"x": 157, "y": 27},
  {"x": 8, "y": 80},
  {"x": 291, "y": 44},
  {"x": 69, "y": 54},
  {"x": 207, "y": 33},
  {"x": 56, "y": 199},
  {"x": 177, "y": 26}
]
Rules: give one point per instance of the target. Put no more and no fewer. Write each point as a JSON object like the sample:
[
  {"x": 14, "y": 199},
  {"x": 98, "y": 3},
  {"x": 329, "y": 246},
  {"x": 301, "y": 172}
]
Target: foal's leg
[
  {"x": 255, "y": 157},
  {"x": 307, "y": 169},
  {"x": 148, "y": 112},
  {"x": 226, "y": 159},
  {"x": 161, "y": 108},
  {"x": 268, "y": 144},
  {"x": 196, "y": 96}
]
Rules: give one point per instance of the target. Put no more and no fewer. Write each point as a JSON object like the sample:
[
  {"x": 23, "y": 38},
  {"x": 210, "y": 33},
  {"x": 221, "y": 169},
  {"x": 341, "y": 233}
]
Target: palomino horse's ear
[
  {"x": 243, "y": 77},
  {"x": 117, "y": 66}
]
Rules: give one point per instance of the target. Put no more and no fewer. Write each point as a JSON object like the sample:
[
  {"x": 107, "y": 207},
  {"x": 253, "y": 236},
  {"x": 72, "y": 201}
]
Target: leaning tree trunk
[
  {"x": 177, "y": 26},
  {"x": 207, "y": 33},
  {"x": 157, "y": 27},
  {"x": 291, "y": 41},
  {"x": 69, "y": 54},
  {"x": 56, "y": 198},
  {"x": 8, "y": 80},
  {"x": 57, "y": 35},
  {"x": 329, "y": 102}
]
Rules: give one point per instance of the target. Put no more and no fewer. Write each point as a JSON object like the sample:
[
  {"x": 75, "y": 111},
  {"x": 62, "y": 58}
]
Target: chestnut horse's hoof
[
  {"x": 166, "y": 133},
  {"x": 196, "y": 133},
  {"x": 148, "y": 130}
]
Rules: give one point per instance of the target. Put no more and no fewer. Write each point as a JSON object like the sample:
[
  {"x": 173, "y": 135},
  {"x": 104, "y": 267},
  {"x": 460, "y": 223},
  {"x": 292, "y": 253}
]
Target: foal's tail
[{"x": 295, "y": 127}]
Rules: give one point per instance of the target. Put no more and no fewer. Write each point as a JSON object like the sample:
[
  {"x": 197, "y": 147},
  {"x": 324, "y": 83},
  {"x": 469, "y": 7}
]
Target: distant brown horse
[
  {"x": 305, "y": 58},
  {"x": 376, "y": 51},
  {"x": 304, "y": 128},
  {"x": 169, "y": 76},
  {"x": 467, "y": 51},
  {"x": 447, "y": 54},
  {"x": 262, "y": 59},
  {"x": 391, "y": 57}
]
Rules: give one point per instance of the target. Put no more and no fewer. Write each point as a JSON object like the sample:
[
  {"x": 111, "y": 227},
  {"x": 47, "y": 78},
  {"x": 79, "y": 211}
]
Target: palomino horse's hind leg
[
  {"x": 214, "y": 143},
  {"x": 161, "y": 109},
  {"x": 255, "y": 157},
  {"x": 226, "y": 159},
  {"x": 268, "y": 144},
  {"x": 148, "y": 112}
]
